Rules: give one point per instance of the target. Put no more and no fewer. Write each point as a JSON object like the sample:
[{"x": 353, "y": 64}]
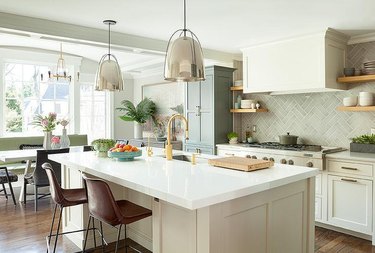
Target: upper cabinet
[{"x": 304, "y": 64}]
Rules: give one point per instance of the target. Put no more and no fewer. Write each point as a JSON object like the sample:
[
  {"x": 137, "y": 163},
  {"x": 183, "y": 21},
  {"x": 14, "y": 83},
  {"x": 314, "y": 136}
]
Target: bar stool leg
[
  {"x": 12, "y": 193},
  {"x": 93, "y": 231},
  {"x": 24, "y": 191},
  {"x": 101, "y": 231},
  {"x": 53, "y": 221},
  {"x": 87, "y": 232},
  {"x": 58, "y": 229},
  {"x": 126, "y": 246},
  {"x": 118, "y": 237},
  {"x": 5, "y": 192}
]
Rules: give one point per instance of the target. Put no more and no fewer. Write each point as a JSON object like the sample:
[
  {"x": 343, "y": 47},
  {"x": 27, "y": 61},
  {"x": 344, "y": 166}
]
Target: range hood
[{"x": 304, "y": 64}]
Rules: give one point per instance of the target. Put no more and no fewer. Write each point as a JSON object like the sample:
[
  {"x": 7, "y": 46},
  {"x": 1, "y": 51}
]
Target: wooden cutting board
[{"x": 240, "y": 163}]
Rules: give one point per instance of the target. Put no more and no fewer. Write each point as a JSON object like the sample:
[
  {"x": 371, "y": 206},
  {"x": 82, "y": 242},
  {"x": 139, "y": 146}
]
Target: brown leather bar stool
[
  {"x": 62, "y": 198},
  {"x": 103, "y": 207}
]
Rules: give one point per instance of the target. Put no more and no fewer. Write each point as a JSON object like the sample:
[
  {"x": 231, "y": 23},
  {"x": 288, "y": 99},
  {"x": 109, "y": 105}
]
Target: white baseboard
[
  {"x": 344, "y": 231},
  {"x": 140, "y": 238}
]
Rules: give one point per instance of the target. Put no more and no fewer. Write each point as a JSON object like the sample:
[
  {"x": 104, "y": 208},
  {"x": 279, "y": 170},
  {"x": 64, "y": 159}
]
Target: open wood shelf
[
  {"x": 356, "y": 79},
  {"x": 356, "y": 108},
  {"x": 248, "y": 110},
  {"x": 236, "y": 88}
]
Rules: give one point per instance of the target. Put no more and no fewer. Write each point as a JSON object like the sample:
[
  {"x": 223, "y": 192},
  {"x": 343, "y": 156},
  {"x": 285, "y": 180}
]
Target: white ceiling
[{"x": 224, "y": 25}]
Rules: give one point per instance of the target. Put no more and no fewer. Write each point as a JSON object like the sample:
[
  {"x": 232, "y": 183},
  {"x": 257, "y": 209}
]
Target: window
[
  {"x": 93, "y": 112},
  {"x": 26, "y": 94}
]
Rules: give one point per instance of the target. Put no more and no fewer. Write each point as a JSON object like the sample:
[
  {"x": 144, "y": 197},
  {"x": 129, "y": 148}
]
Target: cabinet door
[
  {"x": 206, "y": 103},
  {"x": 192, "y": 111},
  {"x": 350, "y": 203}
]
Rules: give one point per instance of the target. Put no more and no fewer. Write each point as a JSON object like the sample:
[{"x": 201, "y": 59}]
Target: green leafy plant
[
  {"x": 365, "y": 139},
  {"x": 103, "y": 145},
  {"x": 232, "y": 135},
  {"x": 140, "y": 113}
]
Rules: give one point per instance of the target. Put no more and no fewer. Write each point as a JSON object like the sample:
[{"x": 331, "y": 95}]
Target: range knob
[
  {"x": 265, "y": 158},
  {"x": 309, "y": 164},
  {"x": 283, "y": 161},
  {"x": 272, "y": 159},
  {"x": 254, "y": 157},
  {"x": 290, "y": 162}
]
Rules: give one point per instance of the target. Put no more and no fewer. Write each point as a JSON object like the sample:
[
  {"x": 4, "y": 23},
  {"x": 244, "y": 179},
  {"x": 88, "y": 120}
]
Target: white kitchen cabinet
[
  {"x": 303, "y": 64},
  {"x": 226, "y": 152},
  {"x": 350, "y": 203}
]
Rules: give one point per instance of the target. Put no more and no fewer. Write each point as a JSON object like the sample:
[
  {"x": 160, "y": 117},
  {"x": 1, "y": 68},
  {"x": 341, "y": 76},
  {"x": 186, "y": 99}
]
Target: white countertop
[
  {"x": 354, "y": 156},
  {"x": 181, "y": 183}
]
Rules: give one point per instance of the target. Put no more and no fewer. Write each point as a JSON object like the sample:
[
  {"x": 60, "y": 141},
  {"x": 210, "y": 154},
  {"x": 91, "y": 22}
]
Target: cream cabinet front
[
  {"x": 302, "y": 64},
  {"x": 350, "y": 203},
  {"x": 252, "y": 224},
  {"x": 226, "y": 152}
]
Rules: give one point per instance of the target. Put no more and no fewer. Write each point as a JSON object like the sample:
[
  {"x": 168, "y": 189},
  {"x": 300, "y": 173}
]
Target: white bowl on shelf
[
  {"x": 365, "y": 101},
  {"x": 246, "y": 103},
  {"x": 238, "y": 83},
  {"x": 350, "y": 101},
  {"x": 365, "y": 94}
]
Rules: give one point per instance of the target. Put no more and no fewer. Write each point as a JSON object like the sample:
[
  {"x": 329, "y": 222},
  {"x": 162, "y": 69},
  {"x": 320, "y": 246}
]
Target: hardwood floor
[{"x": 23, "y": 230}]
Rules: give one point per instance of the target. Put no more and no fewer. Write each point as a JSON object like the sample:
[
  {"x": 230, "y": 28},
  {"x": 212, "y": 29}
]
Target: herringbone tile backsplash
[{"x": 313, "y": 117}]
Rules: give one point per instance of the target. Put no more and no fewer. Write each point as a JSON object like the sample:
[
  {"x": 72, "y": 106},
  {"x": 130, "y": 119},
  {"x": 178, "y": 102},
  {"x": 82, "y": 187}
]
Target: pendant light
[
  {"x": 108, "y": 76},
  {"x": 61, "y": 72},
  {"x": 184, "y": 57}
]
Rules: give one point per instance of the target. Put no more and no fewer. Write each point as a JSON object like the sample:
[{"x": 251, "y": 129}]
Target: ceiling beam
[{"x": 76, "y": 33}]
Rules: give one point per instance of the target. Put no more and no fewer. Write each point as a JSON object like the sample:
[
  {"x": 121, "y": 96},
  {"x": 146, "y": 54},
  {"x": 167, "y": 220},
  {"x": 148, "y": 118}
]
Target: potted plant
[
  {"x": 101, "y": 146},
  {"x": 232, "y": 137},
  {"x": 363, "y": 143},
  {"x": 139, "y": 114}
]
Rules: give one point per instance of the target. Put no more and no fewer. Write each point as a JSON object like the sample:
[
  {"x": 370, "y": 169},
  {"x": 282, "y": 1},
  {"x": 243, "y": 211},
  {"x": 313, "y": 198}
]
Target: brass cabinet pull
[
  {"x": 229, "y": 154},
  {"x": 348, "y": 168},
  {"x": 349, "y": 180}
]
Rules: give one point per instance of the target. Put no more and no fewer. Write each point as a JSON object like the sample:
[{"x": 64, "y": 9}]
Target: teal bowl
[{"x": 124, "y": 156}]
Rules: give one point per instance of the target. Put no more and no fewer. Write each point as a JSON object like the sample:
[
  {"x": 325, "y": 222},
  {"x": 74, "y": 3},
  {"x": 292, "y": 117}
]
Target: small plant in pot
[
  {"x": 232, "y": 137},
  {"x": 364, "y": 144},
  {"x": 139, "y": 114},
  {"x": 101, "y": 146}
]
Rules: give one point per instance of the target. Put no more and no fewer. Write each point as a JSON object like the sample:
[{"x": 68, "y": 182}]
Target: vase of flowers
[
  {"x": 64, "y": 140},
  {"x": 55, "y": 142},
  {"x": 48, "y": 124}
]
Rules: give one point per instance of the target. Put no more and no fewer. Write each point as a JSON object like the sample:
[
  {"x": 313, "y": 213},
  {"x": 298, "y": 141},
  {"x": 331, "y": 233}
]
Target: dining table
[{"x": 28, "y": 155}]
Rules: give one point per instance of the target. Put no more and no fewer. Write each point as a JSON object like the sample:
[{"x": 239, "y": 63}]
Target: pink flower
[
  {"x": 44, "y": 122},
  {"x": 55, "y": 139},
  {"x": 52, "y": 115}
]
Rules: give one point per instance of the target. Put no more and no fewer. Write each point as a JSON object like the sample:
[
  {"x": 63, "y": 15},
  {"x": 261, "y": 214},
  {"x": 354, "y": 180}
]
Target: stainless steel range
[{"x": 298, "y": 154}]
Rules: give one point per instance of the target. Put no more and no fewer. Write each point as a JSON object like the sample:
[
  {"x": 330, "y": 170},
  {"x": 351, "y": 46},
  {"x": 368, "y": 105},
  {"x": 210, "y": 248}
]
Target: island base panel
[{"x": 276, "y": 220}]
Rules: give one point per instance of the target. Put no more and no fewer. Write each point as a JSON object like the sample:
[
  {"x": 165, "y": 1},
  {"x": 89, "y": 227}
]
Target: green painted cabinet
[{"x": 208, "y": 105}]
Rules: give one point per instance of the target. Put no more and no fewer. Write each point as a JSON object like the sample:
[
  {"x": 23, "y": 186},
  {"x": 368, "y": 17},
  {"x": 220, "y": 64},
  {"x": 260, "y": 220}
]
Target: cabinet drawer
[
  {"x": 229, "y": 152},
  {"x": 361, "y": 169}
]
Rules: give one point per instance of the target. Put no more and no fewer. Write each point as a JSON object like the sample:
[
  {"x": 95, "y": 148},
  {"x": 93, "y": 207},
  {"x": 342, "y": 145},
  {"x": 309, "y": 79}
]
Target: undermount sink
[
  {"x": 187, "y": 158},
  {"x": 184, "y": 158}
]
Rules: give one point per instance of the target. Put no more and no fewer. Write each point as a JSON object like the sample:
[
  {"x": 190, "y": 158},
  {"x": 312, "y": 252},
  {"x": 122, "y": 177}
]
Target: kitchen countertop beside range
[{"x": 354, "y": 156}]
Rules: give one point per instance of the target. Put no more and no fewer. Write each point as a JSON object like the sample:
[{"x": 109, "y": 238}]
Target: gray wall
[{"x": 313, "y": 116}]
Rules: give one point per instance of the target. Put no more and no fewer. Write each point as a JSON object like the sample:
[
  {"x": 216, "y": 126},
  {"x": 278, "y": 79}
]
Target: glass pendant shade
[
  {"x": 108, "y": 76},
  {"x": 184, "y": 60}
]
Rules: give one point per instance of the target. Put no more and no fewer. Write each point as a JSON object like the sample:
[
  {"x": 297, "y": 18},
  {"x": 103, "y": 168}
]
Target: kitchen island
[{"x": 200, "y": 208}]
